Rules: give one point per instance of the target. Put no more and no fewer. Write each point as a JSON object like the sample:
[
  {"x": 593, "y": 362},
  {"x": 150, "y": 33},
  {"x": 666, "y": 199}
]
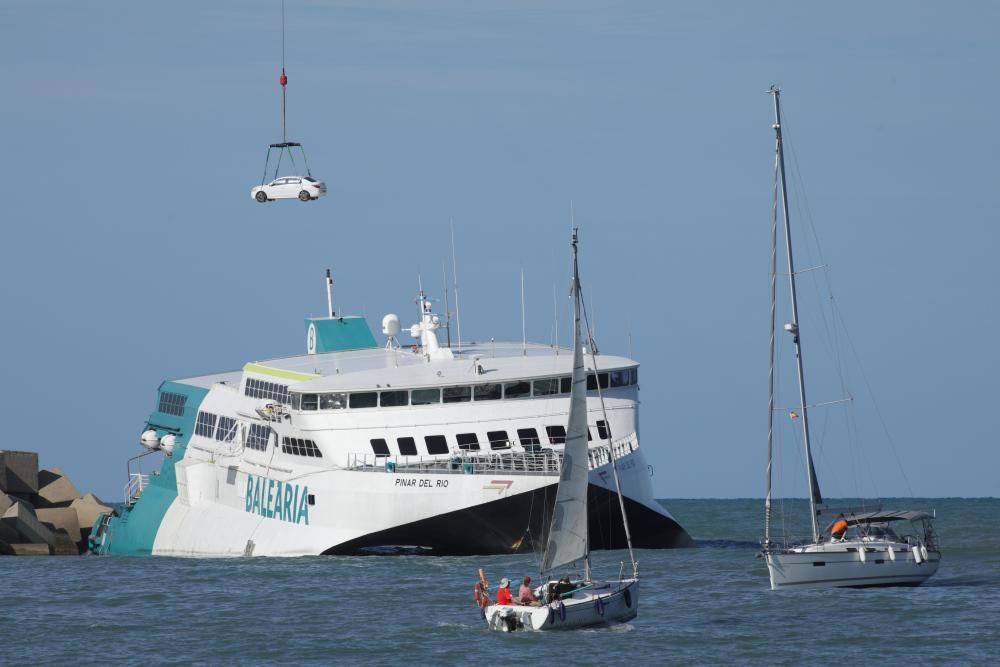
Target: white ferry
[{"x": 358, "y": 447}]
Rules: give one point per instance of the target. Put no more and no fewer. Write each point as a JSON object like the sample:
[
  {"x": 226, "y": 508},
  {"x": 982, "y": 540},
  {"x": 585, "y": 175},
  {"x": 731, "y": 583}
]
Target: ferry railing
[
  {"x": 137, "y": 482},
  {"x": 541, "y": 461}
]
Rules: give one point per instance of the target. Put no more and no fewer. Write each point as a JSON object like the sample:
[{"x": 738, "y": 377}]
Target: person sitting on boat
[
  {"x": 839, "y": 529},
  {"x": 482, "y": 593},
  {"x": 503, "y": 593},
  {"x": 525, "y": 595},
  {"x": 561, "y": 587}
]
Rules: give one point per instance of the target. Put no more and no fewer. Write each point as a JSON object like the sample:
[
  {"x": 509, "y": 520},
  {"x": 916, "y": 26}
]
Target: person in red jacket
[{"x": 503, "y": 593}]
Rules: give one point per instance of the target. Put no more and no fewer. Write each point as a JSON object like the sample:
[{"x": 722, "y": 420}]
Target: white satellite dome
[
  {"x": 390, "y": 325},
  {"x": 149, "y": 439}
]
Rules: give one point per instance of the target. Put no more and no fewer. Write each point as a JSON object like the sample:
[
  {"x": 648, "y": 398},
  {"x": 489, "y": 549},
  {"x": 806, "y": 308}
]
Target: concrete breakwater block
[
  {"x": 55, "y": 489},
  {"x": 21, "y": 518},
  {"x": 18, "y": 472},
  {"x": 61, "y": 518},
  {"x": 5, "y": 502},
  {"x": 31, "y": 549},
  {"x": 87, "y": 509},
  {"x": 64, "y": 545}
]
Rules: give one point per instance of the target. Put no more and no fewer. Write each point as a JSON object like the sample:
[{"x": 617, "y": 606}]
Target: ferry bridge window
[
  {"x": 517, "y": 389},
  {"x": 619, "y": 378},
  {"x": 457, "y": 394},
  {"x": 332, "y": 401},
  {"x": 171, "y": 403},
  {"x": 391, "y": 399},
  {"x": 300, "y": 447},
  {"x": 258, "y": 436},
  {"x": 407, "y": 446},
  {"x": 226, "y": 430},
  {"x": 633, "y": 375},
  {"x": 205, "y": 426},
  {"x": 498, "y": 440},
  {"x": 468, "y": 441},
  {"x": 546, "y": 387},
  {"x": 367, "y": 399},
  {"x": 529, "y": 438},
  {"x": 565, "y": 384},
  {"x": 310, "y": 401},
  {"x": 425, "y": 396},
  {"x": 380, "y": 447},
  {"x": 487, "y": 392},
  {"x": 557, "y": 434},
  {"x": 436, "y": 444},
  {"x": 296, "y": 400},
  {"x": 602, "y": 429},
  {"x": 592, "y": 381}
]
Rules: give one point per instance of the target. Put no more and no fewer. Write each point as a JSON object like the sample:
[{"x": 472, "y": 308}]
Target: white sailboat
[
  {"x": 859, "y": 548},
  {"x": 582, "y": 601}
]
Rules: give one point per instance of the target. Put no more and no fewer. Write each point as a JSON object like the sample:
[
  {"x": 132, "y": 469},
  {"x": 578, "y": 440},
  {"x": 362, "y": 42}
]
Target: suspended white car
[{"x": 303, "y": 188}]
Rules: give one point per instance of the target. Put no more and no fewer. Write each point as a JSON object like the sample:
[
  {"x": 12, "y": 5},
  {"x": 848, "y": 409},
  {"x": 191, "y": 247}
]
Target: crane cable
[{"x": 283, "y": 79}]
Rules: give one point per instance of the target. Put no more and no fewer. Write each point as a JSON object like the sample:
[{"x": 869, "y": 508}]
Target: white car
[{"x": 304, "y": 188}]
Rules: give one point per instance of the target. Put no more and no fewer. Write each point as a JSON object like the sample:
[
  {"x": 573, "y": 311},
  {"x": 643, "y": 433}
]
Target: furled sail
[
  {"x": 816, "y": 495},
  {"x": 567, "y": 541}
]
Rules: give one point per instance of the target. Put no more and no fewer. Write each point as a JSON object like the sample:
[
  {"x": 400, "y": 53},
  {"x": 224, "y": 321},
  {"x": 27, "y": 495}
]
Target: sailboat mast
[{"x": 793, "y": 327}]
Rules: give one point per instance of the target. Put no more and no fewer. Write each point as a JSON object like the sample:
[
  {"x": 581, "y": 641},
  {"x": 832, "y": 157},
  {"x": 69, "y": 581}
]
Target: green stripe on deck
[{"x": 278, "y": 373}]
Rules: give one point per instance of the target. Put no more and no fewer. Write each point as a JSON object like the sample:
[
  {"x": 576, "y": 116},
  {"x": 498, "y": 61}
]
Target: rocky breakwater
[{"x": 41, "y": 511}]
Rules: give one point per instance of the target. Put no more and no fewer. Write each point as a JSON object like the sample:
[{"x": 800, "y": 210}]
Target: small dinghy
[{"x": 568, "y": 602}]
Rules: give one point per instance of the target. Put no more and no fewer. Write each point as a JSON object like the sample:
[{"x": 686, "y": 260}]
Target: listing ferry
[{"x": 362, "y": 447}]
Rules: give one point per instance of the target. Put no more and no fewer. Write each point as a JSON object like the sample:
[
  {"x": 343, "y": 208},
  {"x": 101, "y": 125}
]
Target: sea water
[{"x": 709, "y": 605}]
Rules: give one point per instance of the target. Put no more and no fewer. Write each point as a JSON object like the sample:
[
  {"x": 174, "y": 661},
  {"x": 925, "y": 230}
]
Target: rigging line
[
  {"x": 878, "y": 411},
  {"x": 607, "y": 425},
  {"x": 770, "y": 376}
]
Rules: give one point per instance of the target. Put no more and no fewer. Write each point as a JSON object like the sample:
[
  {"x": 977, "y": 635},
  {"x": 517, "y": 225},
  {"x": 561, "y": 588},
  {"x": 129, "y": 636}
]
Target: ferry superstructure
[{"x": 356, "y": 446}]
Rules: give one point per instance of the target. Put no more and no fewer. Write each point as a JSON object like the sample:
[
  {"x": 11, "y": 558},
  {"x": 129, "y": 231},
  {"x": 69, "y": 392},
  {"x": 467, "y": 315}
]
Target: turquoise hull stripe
[{"x": 133, "y": 533}]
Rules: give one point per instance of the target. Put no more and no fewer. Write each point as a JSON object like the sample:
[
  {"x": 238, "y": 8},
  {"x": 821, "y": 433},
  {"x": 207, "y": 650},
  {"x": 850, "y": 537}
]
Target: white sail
[{"x": 567, "y": 541}]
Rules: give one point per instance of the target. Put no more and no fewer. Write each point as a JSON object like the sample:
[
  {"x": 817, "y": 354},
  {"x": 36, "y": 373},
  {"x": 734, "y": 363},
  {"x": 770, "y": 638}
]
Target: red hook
[{"x": 283, "y": 80}]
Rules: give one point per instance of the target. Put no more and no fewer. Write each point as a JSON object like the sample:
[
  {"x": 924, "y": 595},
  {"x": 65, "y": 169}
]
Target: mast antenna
[
  {"x": 329, "y": 295},
  {"x": 454, "y": 276},
  {"x": 447, "y": 312}
]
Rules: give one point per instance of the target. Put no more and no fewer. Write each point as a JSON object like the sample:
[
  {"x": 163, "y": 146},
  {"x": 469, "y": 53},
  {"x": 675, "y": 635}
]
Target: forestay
[{"x": 567, "y": 541}]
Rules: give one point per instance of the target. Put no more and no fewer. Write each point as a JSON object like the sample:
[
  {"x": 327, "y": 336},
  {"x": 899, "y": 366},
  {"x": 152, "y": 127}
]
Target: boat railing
[
  {"x": 526, "y": 463},
  {"x": 137, "y": 482},
  {"x": 540, "y": 461},
  {"x": 601, "y": 455}
]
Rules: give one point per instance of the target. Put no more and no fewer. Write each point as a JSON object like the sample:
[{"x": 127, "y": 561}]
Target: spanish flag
[
  {"x": 517, "y": 545},
  {"x": 793, "y": 414}
]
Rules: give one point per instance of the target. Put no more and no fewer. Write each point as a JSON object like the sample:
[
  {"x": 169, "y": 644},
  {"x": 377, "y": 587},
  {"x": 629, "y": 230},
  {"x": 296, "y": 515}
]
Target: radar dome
[{"x": 390, "y": 325}]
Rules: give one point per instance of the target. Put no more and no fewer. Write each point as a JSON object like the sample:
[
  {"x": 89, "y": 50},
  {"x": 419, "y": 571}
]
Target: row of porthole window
[
  {"x": 497, "y": 440},
  {"x": 460, "y": 394}
]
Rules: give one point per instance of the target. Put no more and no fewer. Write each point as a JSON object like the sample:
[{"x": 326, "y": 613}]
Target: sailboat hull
[
  {"x": 817, "y": 566},
  {"x": 602, "y": 604}
]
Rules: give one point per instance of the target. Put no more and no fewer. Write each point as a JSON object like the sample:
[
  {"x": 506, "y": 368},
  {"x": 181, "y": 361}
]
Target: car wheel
[
  {"x": 261, "y": 197},
  {"x": 304, "y": 196}
]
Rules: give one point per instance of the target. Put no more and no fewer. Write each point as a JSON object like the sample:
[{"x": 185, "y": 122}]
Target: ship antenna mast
[{"x": 329, "y": 295}]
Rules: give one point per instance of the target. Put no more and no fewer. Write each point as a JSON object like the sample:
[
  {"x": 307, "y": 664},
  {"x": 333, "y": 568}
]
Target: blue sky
[{"x": 132, "y": 252}]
